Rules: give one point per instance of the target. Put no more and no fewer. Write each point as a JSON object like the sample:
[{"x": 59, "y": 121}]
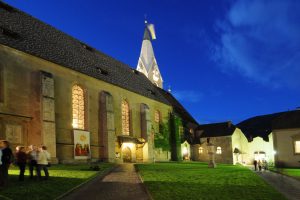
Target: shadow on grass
[{"x": 38, "y": 190}]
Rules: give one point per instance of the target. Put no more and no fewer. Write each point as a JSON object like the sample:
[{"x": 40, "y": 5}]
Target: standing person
[
  {"x": 265, "y": 164},
  {"x": 42, "y": 162},
  {"x": 32, "y": 159},
  {"x": 259, "y": 165},
  {"x": 7, "y": 157},
  {"x": 21, "y": 159},
  {"x": 255, "y": 164}
]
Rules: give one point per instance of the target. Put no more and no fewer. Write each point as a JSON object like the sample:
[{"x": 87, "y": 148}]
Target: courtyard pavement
[
  {"x": 288, "y": 186},
  {"x": 122, "y": 183}
]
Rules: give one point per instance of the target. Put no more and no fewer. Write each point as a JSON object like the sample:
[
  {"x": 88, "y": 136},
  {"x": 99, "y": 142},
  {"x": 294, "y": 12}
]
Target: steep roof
[
  {"x": 178, "y": 108},
  {"x": 216, "y": 129},
  {"x": 263, "y": 125},
  {"x": 25, "y": 33}
]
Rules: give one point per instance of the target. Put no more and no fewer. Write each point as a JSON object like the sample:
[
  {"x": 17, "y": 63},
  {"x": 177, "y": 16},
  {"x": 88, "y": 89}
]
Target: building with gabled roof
[
  {"x": 274, "y": 137},
  {"x": 230, "y": 143},
  {"x": 81, "y": 103}
]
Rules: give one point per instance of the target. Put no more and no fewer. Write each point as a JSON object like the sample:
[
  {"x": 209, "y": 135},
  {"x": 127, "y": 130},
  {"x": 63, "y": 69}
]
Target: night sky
[{"x": 224, "y": 60}]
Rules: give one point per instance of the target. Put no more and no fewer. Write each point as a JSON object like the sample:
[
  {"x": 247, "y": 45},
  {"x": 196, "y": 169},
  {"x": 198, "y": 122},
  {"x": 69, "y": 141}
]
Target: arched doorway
[{"x": 126, "y": 152}]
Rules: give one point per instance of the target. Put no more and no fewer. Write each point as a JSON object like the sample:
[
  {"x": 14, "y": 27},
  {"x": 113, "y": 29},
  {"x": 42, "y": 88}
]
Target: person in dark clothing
[
  {"x": 255, "y": 164},
  {"x": 7, "y": 157},
  {"x": 21, "y": 158}
]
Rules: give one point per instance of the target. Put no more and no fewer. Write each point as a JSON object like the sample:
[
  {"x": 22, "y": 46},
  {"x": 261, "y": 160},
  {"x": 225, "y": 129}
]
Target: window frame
[
  {"x": 123, "y": 120},
  {"x": 200, "y": 150},
  {"x": 84, "y": 110},
  {"x": 219, "y": 150},
  {"x": 294, "y": 145}
]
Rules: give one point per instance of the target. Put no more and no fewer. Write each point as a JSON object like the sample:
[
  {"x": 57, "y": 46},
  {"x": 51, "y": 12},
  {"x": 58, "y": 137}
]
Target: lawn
[
  {"x": 294, "y": 172},
  {"x": 197, "y": 181},
  {"x": 62, "y": 178}
]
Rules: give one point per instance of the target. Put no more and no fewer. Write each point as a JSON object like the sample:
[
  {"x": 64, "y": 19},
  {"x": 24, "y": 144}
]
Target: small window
[
  {"x": 200, "y": 150},
  {"x": 219, "y": 150},
  {"x": 157, "y": 116},
  {"x": 297, "y": 147}
]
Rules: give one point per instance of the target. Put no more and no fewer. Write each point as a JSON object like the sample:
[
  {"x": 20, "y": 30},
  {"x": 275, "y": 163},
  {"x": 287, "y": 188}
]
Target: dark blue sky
[{"x": 224, "y": 60}]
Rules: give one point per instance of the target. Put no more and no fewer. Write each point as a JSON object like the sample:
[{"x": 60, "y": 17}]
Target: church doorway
[{"x": 126, "y": 152}]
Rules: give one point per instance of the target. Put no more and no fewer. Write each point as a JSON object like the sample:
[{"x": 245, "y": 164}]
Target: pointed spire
[{"x": 146, "y": 32}]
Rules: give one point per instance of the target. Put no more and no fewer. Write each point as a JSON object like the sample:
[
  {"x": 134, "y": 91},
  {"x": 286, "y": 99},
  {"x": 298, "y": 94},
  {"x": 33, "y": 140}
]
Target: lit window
[
  {"x": 297, "y": 147},
  {"x": 157, "y": 116},
  {"x": 200, "y": 150},
  {"x": 125, "y": 118},
  {"x": 219, "y": 150},
  {"x": 78, "y": 107}
]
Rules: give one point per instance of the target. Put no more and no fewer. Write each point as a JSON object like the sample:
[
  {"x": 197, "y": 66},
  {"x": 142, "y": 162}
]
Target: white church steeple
[{"x": 147, "y": 63}]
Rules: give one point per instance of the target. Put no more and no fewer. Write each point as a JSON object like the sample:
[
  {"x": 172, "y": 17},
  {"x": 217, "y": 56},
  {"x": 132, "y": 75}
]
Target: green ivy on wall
[
  {"x": 161, "y": 138},
  {"x": 169, "y": 137}
]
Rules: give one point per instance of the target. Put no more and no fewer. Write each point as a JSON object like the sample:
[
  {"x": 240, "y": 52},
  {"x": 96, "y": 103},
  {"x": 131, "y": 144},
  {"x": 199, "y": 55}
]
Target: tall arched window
[
  {"x": 125, "y": 118},
  {"x": 219, "y": 150},
  {"x": 157, "y": 116},
  {"x": 78, "y": 107}
]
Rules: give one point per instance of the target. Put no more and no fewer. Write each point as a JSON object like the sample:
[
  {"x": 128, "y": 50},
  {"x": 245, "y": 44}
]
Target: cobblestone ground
[
  {"x": 122, "y": 183},
  {"x": 288, "y": 186}
]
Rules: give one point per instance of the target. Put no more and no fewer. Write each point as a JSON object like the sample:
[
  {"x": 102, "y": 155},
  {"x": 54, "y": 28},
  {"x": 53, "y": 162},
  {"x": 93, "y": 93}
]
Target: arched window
[
  {"x": 200, "y": 150},
  {"x": 157, "y": 116},
  {"x": 125, "y": 118},
  {"x": 219, "y": 150},
  {"x": 78, "y": 107}
]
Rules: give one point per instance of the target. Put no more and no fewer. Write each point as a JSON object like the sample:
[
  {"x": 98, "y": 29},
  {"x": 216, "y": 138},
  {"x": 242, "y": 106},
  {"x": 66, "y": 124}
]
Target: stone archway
[{"x": 126, "y": 154}]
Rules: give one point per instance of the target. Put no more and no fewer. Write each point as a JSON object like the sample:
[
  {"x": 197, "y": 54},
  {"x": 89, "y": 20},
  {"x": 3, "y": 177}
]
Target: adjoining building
[
  {"x": 82, "y": 104},
  {"x": 230, "y": 143},
  {"x": 274, "y": 137}
]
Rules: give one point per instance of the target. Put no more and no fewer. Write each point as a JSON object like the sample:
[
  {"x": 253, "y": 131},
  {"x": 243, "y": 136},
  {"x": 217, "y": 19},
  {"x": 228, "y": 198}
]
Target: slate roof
[
  {"x": 178, "y": 108},
  {"x": 215, "y": 130},
  {"x": 287, "y": 120},
  {"x": 263, "y": 125},
  {"x": 25, "y": 33}
]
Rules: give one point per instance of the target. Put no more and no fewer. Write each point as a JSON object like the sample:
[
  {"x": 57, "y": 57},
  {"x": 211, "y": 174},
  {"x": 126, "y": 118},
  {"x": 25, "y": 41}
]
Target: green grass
[
  {"x": 62, "y": 178},
  {"x": 197, "y": 181},
  {"x": 293, "y": 172}
]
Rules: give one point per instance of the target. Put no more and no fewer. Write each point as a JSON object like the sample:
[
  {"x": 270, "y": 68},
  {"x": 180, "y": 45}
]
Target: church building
[{"x": 82, "y": 104}]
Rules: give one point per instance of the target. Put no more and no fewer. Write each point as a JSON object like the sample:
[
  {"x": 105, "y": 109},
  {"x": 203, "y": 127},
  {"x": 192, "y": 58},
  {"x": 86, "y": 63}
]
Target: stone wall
[
  {"x": 225, "y": 142},
  {"x": 284, "y": 147},
  {"x": 26, "y": 106}
]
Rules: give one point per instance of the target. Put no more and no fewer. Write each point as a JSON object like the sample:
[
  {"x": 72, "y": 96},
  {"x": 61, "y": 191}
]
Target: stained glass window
[
  {"x": 125, "y": 118},
  {"x": 78, "y": 107}
]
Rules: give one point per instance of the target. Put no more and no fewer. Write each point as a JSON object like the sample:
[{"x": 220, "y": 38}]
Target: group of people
[
  {"x": 36, "y": 158},
  {"x": 260, "y": 164}
]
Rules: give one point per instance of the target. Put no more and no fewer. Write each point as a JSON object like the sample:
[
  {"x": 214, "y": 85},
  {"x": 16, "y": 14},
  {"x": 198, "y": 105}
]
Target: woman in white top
[{"x": 42, "y": 162}]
